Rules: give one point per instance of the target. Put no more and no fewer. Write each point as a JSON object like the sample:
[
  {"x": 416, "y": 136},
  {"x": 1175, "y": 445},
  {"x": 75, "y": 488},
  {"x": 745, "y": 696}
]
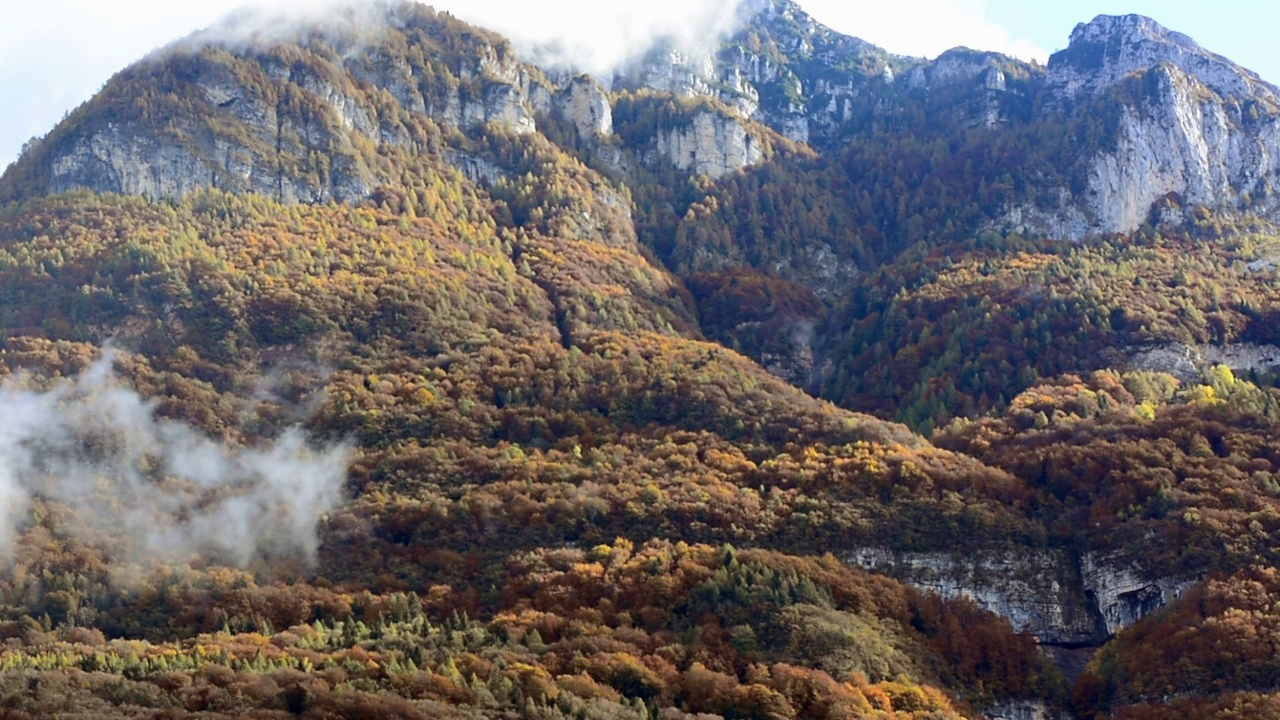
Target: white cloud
[
  {"x": 160, "y": 487},
  {"x": 597, "y": 36},
  {"x": 55, "y": 54}
]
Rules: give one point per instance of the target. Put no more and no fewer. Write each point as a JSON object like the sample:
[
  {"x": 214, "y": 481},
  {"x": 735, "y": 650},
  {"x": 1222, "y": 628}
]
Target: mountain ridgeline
[
  {"x": 617, "y": 367},
  {"x": 790, "y": 150}
]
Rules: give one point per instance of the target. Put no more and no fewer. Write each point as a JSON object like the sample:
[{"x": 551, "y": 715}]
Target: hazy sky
[{"x": 54, "y": 54}]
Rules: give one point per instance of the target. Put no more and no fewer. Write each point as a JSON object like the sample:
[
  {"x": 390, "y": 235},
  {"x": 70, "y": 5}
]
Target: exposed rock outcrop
[
  {"x": 1110, "y": 48},
  {"x": 298, "y": 125},
  {"x": 1048, "y": 593},
  {"x": 584, "y": 103},
  {"x": 1189, "y": 362},
  {"x": 980, "y": 75},
  {"x": 960, "y": 67},
  {"x": 1121, "y": 596},
  {"x": 1189, "y": 129},
  {"x": 1186, "y": 142},
  {"x": 712, "y": 144},
  {"x": 1039, "y": 591},
  {"x": 271, "y": 158},
  {"x": 1021, "y": 710},
  {"x": 780, "y": 70},
  {"x": 1190, "y": 125},
  {"x": 475, "y": 168}
]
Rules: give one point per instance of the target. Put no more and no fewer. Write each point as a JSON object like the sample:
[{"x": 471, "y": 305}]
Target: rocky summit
[{"x": 363, "y": 367}]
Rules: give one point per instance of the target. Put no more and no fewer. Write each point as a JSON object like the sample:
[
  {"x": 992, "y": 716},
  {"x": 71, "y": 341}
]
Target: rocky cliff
[
  {"x": 1128, "y": 119},
  {"x": 1189, "y": 363},
  {"x": 1021, "y": 710},
  {"x": 1109, "y": 49},
  {"x": 1178, "y": 122},
  {"x": 1186, "y": 125},
  {"x": 1169, "y": 126},
  {"x": 301, "y": 119},
  {"x": 711, "y": 144},
  {"x": 1059, "y": 598},
  {"x": 1039, "y": 591},
  {"x": 782, "y": 69},
  {"x": 586, "y": 105}
]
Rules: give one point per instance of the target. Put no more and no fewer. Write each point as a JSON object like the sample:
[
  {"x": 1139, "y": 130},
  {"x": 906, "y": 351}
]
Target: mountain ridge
[
  {"x": 566, "y": 330},
  {"x": 806, "y": 82}
]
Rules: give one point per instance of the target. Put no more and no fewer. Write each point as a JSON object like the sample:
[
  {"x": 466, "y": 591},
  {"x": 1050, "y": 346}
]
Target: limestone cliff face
[
  {"x": 1184, "y": 127},
  {"x": 1039, "y": 591},
  {"x": 783, "y": 69},
  {"x": 1111, "y": 48},
  {"x": 247, "y": 142},
  {"x": 493, "y": 89},
  {"x": 1021, "y": 710},
  {"x": 980, "y": 78},
  {"x": 1184, "y": 141},
  {"x": 711, "y": 144},
  {"x": 1188, "y": 363},
  {"x": 1059, "y": 599},
  {"x": 298, "y": 119},
  {"x": 586, "y": 105},
  {"x": 1122, "y": 596},
  {"x": 1191, "y": 129}
]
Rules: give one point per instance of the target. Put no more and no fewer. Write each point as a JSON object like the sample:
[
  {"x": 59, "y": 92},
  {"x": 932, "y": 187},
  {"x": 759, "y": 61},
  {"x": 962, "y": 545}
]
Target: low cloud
[
  {"x": 600, "y": 37},
  {"x": 162, "y": 490}
]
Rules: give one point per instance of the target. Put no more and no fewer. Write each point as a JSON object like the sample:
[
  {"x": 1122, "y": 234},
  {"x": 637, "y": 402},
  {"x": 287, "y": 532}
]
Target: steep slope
[
  {"x": 550, "y": 468},
  {"x": 1196, "y": 128},
  {"x": 958, "y": 330},
  {"x": 502, "y": 285},
  {"x": 310, "y": 120},
  {"x": 481, "y": 439},
  {"x": 1145, "y": 113}
]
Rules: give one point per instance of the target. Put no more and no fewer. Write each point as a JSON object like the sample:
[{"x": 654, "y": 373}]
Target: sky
[{"x": 55, "y": 54}]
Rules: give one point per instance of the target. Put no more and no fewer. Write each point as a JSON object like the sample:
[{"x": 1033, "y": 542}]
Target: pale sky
[{"x": 54, "y": 54}]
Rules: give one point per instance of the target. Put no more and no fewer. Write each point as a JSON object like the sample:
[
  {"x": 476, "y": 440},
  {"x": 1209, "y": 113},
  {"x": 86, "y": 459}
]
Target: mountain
[{"x": 556, "y": 333}]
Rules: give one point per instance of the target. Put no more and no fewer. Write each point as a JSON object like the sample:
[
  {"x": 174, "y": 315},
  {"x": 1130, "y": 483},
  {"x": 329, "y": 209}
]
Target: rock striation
[
  {"x": 1039, "y": 591},
  {"x": 1060, "y": 599},
  {"x": 1189, "y": 363},
  {"x": 1188, "y": 126},
  {"x": 711, "y": 144}
]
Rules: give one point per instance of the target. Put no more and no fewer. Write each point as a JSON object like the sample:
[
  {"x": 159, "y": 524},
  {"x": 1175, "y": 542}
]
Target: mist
[
  {"x": 600, "y": 38},
  {"x": 596, "y": 38},
  {"x": 161, "y": 490}
]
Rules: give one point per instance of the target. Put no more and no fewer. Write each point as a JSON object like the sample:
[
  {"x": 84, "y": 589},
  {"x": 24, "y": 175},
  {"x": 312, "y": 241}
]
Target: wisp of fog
[
  {"x": 601, "y": 37},
  {"x": 592, "y": 37},
  {"x": 161, "y": 489}
]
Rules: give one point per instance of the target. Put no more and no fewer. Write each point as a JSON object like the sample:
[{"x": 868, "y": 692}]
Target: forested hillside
[{"x": 367, "y": 370}]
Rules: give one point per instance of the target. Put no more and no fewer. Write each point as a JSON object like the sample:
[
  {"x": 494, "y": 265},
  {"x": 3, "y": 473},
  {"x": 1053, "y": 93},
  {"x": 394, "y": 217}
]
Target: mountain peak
[
  {"x": 1130, "y": 30},
  {"x": 304, "y": 109},
  {"x": 1112, "y": 47}
]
